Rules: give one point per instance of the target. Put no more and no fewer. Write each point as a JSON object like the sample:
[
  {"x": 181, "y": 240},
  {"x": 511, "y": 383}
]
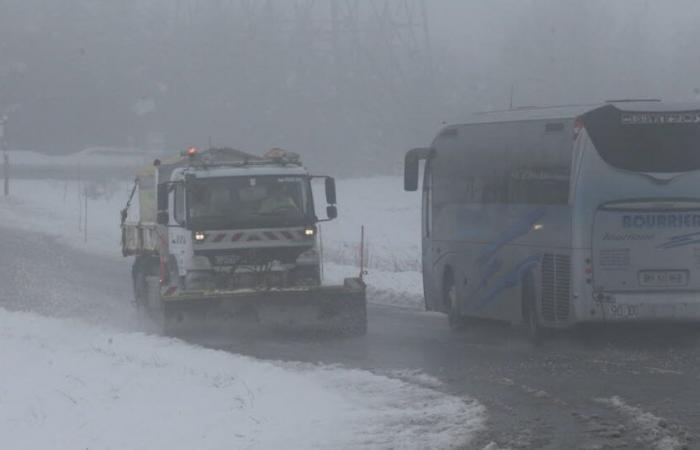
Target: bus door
[{"x": 427, "y": 230}]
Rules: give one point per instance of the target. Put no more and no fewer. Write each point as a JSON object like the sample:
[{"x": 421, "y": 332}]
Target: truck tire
[{"x": 143, "y": 267}]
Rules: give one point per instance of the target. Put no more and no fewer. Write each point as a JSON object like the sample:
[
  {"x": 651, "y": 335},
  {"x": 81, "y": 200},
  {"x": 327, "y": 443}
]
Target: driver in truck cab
[
  {"x": 213, "y": 201},
  {"x": 279, "y": 200}
]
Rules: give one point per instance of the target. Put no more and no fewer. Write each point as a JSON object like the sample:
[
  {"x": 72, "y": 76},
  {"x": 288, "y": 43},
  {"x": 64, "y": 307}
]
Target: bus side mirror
[
  {"x": 332, "y": 212},
  {"x": 410, "y": 174},
  {"x": 330, "y": 191}
]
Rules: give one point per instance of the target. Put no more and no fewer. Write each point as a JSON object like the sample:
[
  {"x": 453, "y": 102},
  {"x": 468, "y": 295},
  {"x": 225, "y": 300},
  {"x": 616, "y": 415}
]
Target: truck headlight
[
  {"x": 309, "y": 232},
  {"x": 199, "y": 236}
]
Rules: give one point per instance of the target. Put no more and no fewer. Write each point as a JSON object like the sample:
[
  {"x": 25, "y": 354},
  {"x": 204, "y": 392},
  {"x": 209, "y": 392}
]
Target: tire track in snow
[{"x": 652, "y": 431}]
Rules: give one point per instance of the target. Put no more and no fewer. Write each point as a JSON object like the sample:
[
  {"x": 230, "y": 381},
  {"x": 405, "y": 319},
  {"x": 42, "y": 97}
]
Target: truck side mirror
[
  {"x": 163, "y": 191},
  {"x": 330, "y": 191},
  {"x": 332, "y": 212},
  {"x": 163, "y": 218}
]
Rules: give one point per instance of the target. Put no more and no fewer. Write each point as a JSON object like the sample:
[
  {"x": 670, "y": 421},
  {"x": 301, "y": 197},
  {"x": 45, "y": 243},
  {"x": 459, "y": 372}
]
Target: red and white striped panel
[{"x": 221, "y": 237}]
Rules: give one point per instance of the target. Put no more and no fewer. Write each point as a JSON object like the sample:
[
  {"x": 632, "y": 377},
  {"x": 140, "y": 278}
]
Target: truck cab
[{"x": 242, "y": 225}]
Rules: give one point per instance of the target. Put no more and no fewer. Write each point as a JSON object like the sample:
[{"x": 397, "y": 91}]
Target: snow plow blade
[{"x": 340, "y": 309}]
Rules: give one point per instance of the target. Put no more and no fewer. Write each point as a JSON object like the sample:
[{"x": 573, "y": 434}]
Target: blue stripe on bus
[
  {"x": 509, "y": 280},
  {"x": 518, "y": 229},
  {"x": 680, "y": 241}
]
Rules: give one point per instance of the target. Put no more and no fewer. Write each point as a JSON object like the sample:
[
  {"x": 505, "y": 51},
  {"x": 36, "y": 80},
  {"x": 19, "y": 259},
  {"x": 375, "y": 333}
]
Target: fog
[{"x": 350, "y": 84}]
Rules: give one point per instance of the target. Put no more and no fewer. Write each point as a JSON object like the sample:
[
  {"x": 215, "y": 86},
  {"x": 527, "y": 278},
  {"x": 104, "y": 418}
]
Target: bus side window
[
  {"x": 427, "y": 199},
  {"x": 538, "y": 187}
]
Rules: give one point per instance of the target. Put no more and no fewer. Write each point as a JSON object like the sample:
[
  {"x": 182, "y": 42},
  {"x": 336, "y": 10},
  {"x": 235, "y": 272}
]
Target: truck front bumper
[{"x": 315, "y": 306}]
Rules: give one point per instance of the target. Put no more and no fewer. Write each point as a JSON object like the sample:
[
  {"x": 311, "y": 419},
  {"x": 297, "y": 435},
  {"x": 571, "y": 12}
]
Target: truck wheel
[
  {"x": 143, "y": 267},
  {"x": 535, "y": 330},
  {"x": 138, "y": 277},
  {"x": 455, "y": 320},
  {"x": 139, "y": 284}
]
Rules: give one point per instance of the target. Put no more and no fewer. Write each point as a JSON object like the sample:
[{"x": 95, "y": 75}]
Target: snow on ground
[
  {"x": 391, "y": 218},
  {"x": 57, "y": 208},
  {"x": 392, "y": 224},
  {"x": 66, "y": 384}
]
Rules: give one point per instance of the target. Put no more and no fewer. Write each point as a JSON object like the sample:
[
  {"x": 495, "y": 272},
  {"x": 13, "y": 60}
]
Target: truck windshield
[{"x": 249, "y": 202}]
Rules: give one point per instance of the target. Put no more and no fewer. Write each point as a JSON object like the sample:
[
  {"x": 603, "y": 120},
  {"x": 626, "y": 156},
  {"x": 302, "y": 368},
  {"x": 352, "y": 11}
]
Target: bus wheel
[
  {"x": 454, "y": 314},
  {"x": 535, "y": 330}
]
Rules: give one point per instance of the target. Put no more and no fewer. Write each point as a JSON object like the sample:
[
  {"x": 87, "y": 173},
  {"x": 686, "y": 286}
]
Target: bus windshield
[
  {"x": 653, "y": 142},
  {"x": 248, "y": 202}
]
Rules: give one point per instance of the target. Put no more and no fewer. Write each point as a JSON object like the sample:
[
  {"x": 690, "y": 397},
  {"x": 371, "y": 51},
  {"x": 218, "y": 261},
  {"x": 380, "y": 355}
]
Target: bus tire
[
  {"x": 535, "y": 330},
  {"x": 451, "y": 301}
]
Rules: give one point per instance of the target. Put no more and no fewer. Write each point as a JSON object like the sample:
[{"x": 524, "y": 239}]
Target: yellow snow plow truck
[{"x": 222, "y": 233}]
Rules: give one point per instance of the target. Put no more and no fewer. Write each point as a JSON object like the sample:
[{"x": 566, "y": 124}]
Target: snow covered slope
[{"x": 65, "y": 384}]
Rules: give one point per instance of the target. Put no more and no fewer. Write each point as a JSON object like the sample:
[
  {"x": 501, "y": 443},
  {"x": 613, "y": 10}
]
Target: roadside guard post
[{"x": 5, "y": 157}]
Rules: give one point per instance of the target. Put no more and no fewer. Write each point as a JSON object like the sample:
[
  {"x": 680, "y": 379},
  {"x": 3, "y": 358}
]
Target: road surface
[{"x": 601, "y": 389}]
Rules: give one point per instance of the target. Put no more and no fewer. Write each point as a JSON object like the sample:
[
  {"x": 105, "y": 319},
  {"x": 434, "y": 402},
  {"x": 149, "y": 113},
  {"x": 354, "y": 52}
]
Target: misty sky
[{"x": 254, "y": 75}]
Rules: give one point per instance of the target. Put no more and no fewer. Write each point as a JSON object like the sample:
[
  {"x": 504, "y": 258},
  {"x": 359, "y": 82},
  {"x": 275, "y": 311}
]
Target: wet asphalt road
[{"x": 586, "y": 390}]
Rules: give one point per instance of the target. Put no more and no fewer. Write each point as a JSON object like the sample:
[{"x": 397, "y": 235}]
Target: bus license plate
[
  {"x": 663, "y": 278},
  {"x": 620, "y": 311}
]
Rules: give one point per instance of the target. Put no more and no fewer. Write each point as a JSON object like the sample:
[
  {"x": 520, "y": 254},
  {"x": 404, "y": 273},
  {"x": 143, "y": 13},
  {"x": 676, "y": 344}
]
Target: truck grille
[{"x": 556, "y": 287}]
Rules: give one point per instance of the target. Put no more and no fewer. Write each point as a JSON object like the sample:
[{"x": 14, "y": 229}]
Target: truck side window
[{"x": 180, "y": 212}]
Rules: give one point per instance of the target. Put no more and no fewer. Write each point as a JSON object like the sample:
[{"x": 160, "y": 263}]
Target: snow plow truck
[{"x": 225, "y": 233}]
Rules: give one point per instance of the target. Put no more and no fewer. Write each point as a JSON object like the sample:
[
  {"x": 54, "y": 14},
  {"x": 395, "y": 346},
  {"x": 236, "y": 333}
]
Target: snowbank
[
  {"x": 97, "y": 157},
  {"x": 391, "y": 218},
  {"x": 57, "y": 208},
  {"x": 70, "y": 385}
]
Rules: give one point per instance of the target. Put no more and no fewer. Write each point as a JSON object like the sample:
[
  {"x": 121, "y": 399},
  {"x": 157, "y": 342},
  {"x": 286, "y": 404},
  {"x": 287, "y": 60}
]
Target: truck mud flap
[{"x": 340, "y": 309}]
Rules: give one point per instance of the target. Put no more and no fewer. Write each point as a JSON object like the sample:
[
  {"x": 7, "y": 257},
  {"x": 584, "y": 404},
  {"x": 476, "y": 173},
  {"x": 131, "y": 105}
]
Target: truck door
[{"x": 180, "y": 237}]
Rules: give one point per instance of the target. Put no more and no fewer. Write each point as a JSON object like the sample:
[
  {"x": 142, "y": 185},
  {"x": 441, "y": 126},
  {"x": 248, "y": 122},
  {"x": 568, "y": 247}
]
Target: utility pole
[{"x": 5, "y": 157}]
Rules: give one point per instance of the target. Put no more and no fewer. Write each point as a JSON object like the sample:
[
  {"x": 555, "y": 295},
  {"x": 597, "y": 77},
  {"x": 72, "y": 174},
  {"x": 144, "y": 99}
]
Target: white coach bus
[{"x": 559, "y": 216}]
